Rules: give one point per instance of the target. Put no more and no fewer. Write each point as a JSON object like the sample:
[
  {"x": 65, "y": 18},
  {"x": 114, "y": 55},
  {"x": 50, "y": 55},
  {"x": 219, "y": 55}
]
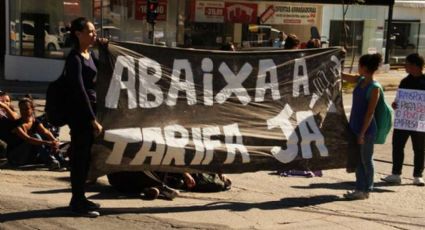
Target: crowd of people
[
  {"x": 27, "y": 139},
  {"x": 291, "y": 41}
]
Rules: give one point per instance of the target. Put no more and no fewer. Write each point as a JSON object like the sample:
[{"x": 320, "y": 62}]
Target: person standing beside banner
[
  {"x": 416, "y": 81},
  {"x": 362, "y": 122},
  {"x": 80, "y": 75}
]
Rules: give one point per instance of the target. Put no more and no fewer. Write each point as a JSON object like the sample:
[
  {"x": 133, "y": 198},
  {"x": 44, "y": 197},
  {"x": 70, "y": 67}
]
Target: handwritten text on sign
[{"x": 410, "y": 112}]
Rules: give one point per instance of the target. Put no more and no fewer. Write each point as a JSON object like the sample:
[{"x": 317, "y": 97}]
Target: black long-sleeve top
[
  {"x": 80, "y": 75},
  {"x": 411, "y": 82}
]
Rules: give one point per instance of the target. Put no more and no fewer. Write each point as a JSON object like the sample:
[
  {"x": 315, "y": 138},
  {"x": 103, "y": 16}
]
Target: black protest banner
[{"x": 172, "y": 109}]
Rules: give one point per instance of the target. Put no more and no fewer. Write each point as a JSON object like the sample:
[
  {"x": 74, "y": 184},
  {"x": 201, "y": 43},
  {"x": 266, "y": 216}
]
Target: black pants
[
  {"x": 399, "y": 142},
  {"x": 81, "y": 143},
  {"x": 3, "y": 148}
]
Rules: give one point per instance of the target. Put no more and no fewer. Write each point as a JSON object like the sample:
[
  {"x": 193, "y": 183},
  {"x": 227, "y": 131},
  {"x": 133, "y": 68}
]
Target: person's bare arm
[
  {"x": 189, "y": 181},
  {"x": 9, "y": 112},
  {"x": 351, "y": 78},
  {"x": 45, "y": 132},
  {"x": 29, "y": 139}
]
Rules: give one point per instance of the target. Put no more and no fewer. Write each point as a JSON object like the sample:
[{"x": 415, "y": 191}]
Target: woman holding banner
[
  {"x": 80, "y": 75},
  {"x": 362, "y": 122}
]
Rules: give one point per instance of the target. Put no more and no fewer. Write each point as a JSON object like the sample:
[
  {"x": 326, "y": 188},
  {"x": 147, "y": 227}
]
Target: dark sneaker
[
  {"x": 356, "y": 195},
  {"x": 92, "y": 206},
  {"x": 168, "y": 192},
  {"x": 81, "y": 209},
  {"x": 86, "y": 213},
  {"x": 393, "y": 179}
]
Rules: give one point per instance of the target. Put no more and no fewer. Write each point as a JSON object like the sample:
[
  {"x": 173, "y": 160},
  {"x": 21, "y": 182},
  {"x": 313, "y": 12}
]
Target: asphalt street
[{"x": 38, "y": 199}]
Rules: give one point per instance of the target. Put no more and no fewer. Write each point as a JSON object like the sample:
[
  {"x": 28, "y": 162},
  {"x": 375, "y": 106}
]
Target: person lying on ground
[
  {"x": 148, "y": 184},
  {"x": 198, "y": 182}
]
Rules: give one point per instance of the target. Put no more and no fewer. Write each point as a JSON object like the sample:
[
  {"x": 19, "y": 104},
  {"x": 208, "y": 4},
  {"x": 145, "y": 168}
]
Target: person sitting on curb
[
  {"x": 6, "y": 108},
  {"x": 27, "y": 145},
  {"x": 416, "y": 81},
  {"x": 7, "y": 118}
]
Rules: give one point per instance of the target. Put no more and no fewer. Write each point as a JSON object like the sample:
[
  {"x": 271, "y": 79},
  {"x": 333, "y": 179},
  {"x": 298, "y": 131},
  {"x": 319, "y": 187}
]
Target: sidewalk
[
  {"x": 20, "y": 88},
  {"x": 391, "y": 79}
]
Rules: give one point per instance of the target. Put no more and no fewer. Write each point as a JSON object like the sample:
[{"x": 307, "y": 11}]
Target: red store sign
[
  {"x": 238, "y": 12},
  {"x": 140, "y": 10}
]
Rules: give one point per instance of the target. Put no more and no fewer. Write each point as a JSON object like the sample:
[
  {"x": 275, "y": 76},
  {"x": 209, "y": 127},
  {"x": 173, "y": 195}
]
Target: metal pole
[
  {"x": 153, "y": 33},
  {"x": 101, "y": 18},
  {"x": 389, "y": 32},
  {"x": 7, "y": 24}
]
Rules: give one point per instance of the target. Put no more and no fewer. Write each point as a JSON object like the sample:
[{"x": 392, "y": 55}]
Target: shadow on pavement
[
  {"x": 29, "y": 167},
  {"x": 103, "y": 192},
  {"x": 347, "y": 186},
  {"x": 33, "y": 214},
  {"x": 284, "y": 203},
  {"x": 99, "y": 188}
]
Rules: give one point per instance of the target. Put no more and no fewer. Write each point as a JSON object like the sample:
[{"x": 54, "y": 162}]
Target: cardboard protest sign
[
  {"x": 410, "y": 112},
  {"x": 173, "y": 109}
]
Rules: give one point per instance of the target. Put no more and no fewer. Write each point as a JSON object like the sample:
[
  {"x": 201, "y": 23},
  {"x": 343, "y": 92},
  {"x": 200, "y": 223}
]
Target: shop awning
[
  {"x": 409, "y": 3},
  {"x": 339, "y": 2}
]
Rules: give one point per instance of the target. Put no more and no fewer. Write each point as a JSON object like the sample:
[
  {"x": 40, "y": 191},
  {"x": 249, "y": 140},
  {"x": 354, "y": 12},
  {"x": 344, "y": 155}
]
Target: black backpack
[{"x": 56, "y": 102}]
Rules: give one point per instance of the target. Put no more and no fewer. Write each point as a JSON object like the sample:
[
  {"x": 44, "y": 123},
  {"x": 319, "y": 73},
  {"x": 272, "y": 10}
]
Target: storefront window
[
  {"x": 405, "y": 37},
  {"x": 40, "y": 28},
  {"x": 125, "y": 20},
  {"x": 247, "y": 24},
  {"x": 360, "y": 33}
]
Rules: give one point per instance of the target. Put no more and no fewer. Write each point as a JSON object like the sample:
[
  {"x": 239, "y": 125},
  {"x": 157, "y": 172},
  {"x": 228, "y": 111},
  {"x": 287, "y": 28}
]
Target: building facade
[
  {"x": 37, "y": 31},
  {"x": 37, "y": 39},
  {"x": 367, "y": 28}
]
